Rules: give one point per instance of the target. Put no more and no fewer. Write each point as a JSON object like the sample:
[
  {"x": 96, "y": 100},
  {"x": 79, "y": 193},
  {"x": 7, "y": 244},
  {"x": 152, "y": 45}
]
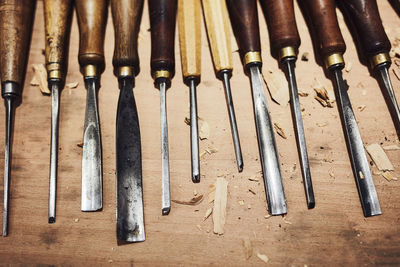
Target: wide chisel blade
[{"x": 130, "y": 218}]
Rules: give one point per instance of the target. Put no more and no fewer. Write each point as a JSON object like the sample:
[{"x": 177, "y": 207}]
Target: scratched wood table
[{"x": 333, "y": 233}]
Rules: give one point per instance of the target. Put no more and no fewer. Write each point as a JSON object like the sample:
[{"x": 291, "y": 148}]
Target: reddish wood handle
[
  {"x": 322, "y": 15},
  {"x": 281, "y": 23},
  {"x": 126, "y": 15},
  {"x": 57, "y": 17},
  {"x": 367, "y": 25},
  {"x": 244, "y": 20},
  {"x": 162, "y": 24},
  {"x": 92, "y": 18},
  {"x": 16, "y": 20}
]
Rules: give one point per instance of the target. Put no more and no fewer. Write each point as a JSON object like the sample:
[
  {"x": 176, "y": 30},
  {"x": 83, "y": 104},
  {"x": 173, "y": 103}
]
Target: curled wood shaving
[
  {"x": 211, "y": 150},
  {"x": 41, "y": 78},
  {"x": 305, "y": 56},
  {"x": 323, "y": 98},
  {"x": 279, "y": 130},
  {"x": 254, "y": 179},
  {"x": 252, "y": 191},
  {"x": 379, "y": 157},
  {"x": 263, "y": 257},
  {"x": 285, "y": 221},
  {"x": 361, "y": 107},
  {"x": 72, "y": 85},
  {"x": 348, "y": 67},
  {"x": 187, "y": 121},
  {"x": 277, "y": 86},
  {"x": 208, "y": 213},
  {"x": 302, "y": 94},
  {"x": 388, "y": 175},
  {"x": 194, "y": 201},
  {"x": 248, "y": 249}
]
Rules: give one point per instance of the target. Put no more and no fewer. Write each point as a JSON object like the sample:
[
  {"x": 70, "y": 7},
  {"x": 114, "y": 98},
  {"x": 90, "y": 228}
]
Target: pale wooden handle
[
  {"x": 217, "y": 22},
  {"x": 189, "y": 12}
]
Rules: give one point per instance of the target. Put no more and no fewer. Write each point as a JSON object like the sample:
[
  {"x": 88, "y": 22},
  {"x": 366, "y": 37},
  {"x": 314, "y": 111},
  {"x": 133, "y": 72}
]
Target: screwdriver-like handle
[
  {"x": 162, "y": 24},
  {"x": 329, "y": 39},
  {"x": 126, "y": 16},
  {"x": 219, "y": 38},
  {"x": 189, "y": 23},
  {"x": 282, "y": 27},
  {"x": 57, "y": 17},
  {"x": 16, "y": 20},
  {"x": 92, "y": 18}
]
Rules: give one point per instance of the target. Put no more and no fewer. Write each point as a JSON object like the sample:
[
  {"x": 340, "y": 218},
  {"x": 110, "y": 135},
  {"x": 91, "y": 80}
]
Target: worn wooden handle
[
  {"x": 322, "y": 16},
  {"x": 16, "y": 20},
  {"x": 281, "y": 23},
  {"x": 57, "y": 17},
  {"x": 189, "y": 23},
  {"x": 367, "y": 25},
  {"x": 92, "y": 18},
  {"x": 126, "y": 15},
  {"x": 219, "y": 38},
  {"x": 162, "y": 24}
]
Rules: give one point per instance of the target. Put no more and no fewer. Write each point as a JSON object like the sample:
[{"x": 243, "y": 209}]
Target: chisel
[
  {"x": 92, "y": 18},
  {"x": 372, "y": 40},
  {"x": 57, "y": 17},
  {"x": 244, "y": 20},
  {"x": 16, "y": 20},
  {"x": 285, "y": 41},
  {"x": 217, "y": 19},
  {"x": 162, "y": 24},
  {"x": 331, "y": 46},
  {"x": 189, "y": 23},
  {"x": 130, "y": 219}
]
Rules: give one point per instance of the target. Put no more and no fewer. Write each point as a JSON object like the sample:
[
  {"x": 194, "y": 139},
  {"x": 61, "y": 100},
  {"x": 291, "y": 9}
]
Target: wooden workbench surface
[{"x": 335, "y": 232}]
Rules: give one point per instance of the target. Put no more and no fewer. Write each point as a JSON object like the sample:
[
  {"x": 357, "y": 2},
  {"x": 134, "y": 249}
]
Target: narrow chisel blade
[
  {"x": 194, "y": 133},
  {"x": 165, "y": 182},
  {"x": 130, "y": 218}
]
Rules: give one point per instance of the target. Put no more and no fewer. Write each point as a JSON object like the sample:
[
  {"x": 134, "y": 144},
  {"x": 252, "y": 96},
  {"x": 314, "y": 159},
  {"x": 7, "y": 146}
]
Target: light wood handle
[
  {"x": 219, "y": 38},
  {"x": 189, "y": 12}
]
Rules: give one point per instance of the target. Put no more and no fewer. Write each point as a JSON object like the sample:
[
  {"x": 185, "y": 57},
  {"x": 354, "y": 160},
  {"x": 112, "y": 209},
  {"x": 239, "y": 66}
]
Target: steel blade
[
  {"x": 194, "y": 133},
  {"x": 165, "y": 182}
]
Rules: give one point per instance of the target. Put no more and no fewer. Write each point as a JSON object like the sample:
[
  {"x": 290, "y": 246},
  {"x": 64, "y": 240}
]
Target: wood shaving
[
  {"x": 76, "y": 220},
  {"x": 322, "y": 124},
  {"x": 195, "y": 192},
  {"x": 211, "y": 193},
  {"x": 72, "y": 85},
  {"x": 211, "y": 150},
  {"x": 248, "y": 249},
  {"x": 267, "y": 216},
  {"x": 41, "y": 78},
  {"x": 204, "y": 130},
  {"x": 361, "y": 107},
  {"x": 252, "y": 191},
  {"x": 241, "y": 202},
  {"x": 254, "y": 179},
  {"x": 391, "y": 147},
  {"x": 348, "y": 67},
  {"x": 361, "y": 175},
  {"x": 208, "y": 213},
  {"x": 279, "y": 131},
  {"x": 219, "y": 212},
  {"x": 263, "y": 257},
  {"x": 34, "y": 81},
  {"x": 397, "y": 62},
  {"x": 249, "y": 206},
  {"x": 389, "y": 176},
  {"x": 199, "y": 227},
  {"x": 331, "y": 173},
  {"x": 79, "y": 145},
  {"x": 376, "y": 172},
  {"x": 305, "y": 56},
  {"x": 187, "y": 121},
  {"x": 202, "y": 154},
  {"x": 277, "y": 86},
  {"x": 302, "y": 94},
  {"x": 286, "y": 221},
  {"x": 396, "y": 73},
  {"x": 194, "y": 201},
  {"x": 325, "y": 97},
  {"x": 379, "y": 157}
]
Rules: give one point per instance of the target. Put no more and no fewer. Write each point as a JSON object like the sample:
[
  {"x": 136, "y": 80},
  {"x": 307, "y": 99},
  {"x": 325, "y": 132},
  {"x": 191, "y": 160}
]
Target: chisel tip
[
  {"x": 240, "y": 166},
  {"x": 311, "y": 204},
  {"x": 52, "y": 219},
  {"x": 196, "y": 177},
  {"x": 166, "y": 210}
]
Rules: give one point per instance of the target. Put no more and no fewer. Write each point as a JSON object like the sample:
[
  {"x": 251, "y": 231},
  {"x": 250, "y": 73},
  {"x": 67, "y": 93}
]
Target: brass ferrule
[
  {"x": 288, "y": 51},
  {"x": 379, "y": 59},
  {"x": 126, "y": 71},
  {"x": 162, "y": 74},
  {"x": 252, "y": 57},
  {"x": 334, "y": 59},
  {"x": 54, "y": 74},
  {"x": 90, "y": 71}
]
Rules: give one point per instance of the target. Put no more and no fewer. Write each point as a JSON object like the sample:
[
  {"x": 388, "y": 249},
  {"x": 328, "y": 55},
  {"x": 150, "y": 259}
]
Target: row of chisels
[{"x": 16, "y": 19}]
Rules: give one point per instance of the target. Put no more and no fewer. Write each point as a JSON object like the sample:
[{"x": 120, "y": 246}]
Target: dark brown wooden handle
[
  {"x": 281, "y": 23},
  {"x": 126, "y": 15},
  {"x": 92, "y": 18},
  {"x": 244, "y": 20},
  {"x": 396, "y": 5},
  {"x": 367, "y": 25},
  {"x": 16, "y": 20},
  {"x": 162, "y": 24},
  {"x": 57, "y": 17},
  {"x": 322, "y": 16}
]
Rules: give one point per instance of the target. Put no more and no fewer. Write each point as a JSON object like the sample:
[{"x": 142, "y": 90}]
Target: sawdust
[
  {"x": 194, "y": 201},
  {"x": 279, "y": 130}
]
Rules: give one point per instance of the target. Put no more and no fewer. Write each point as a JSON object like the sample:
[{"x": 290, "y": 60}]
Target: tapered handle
[
  {"x": 57, "y": 17},
  {"x": 281, "y": 23},
  {"x": 92, "y": 18},
  {"x": 219, "y": 38},
  {"x": 126, "y": 15},
  {"x": 162, "y": 24},
  {"x": 16, "y": 20},
  {"x": 189, "y": 23}
]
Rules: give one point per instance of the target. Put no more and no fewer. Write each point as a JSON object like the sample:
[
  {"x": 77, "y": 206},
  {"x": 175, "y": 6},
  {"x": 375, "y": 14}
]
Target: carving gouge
[
  {"x": 16, "y": 20},
  {"x": 92, "y": 18},
  {"x": 162, "y": 24},
  {"x": 285, "y": 42},
  {"x": 57, "y": 16},
  {"x": 217, "y": 19},
  {"x": 367, "y": 28},
  {"x": 130, "y": 220},
  {"x": 331, "y": 46},
  {"x": 244, "y": 20},
  {"x": 189, "y": 12}
]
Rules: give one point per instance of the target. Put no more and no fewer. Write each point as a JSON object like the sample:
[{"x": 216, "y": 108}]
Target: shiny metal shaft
[
  {"x": 55, "y": 109},
  {"x": 194, "y": 133},
  {"x": 299, "y": 130},
  {"x": 165, "y": 179},
  {"x": 365, "y": 184},
  {"x": 268, "y": 153},
  {"x": 92, "y": 180},
  {"x": 232, "y": 118}
]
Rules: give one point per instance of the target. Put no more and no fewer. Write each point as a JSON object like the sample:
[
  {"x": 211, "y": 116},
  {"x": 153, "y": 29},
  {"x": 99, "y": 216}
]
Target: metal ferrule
[
  {"x": 162, "y": 76},
  {"x": 54, "y": 71},
  {"x": 126, "y": 71},
  {"x": 379, "y": 59},
  {"x": 288, "y": 51},
  {"x": 334, "y": 60},
  {"x": 10, "y": 89},
  {"x": 252, "y": 57},
  {"x": 90, "y": 71},
  {"x": 188, "y": 80}
]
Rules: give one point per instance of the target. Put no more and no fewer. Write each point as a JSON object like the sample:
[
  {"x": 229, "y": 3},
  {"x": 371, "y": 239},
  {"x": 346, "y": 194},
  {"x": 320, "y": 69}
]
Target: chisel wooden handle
[
  {"x": 282, "y": 27},
  {"x": 395, "y": 5},
  {"x": 219, "y": 38},
  {"x": 57, "y": 17},
  {"x": 189, "y": 23},
  {"x": 244, "y": 20},
  {"x": 162, "y": 24},
  {"x": 92, "y": 18},
  {"x": 16, "y": 20},
  {"x": 329, "y": 39},
  {"x": 126, "y": 18},
  {"x": 367, "y": 26}
]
